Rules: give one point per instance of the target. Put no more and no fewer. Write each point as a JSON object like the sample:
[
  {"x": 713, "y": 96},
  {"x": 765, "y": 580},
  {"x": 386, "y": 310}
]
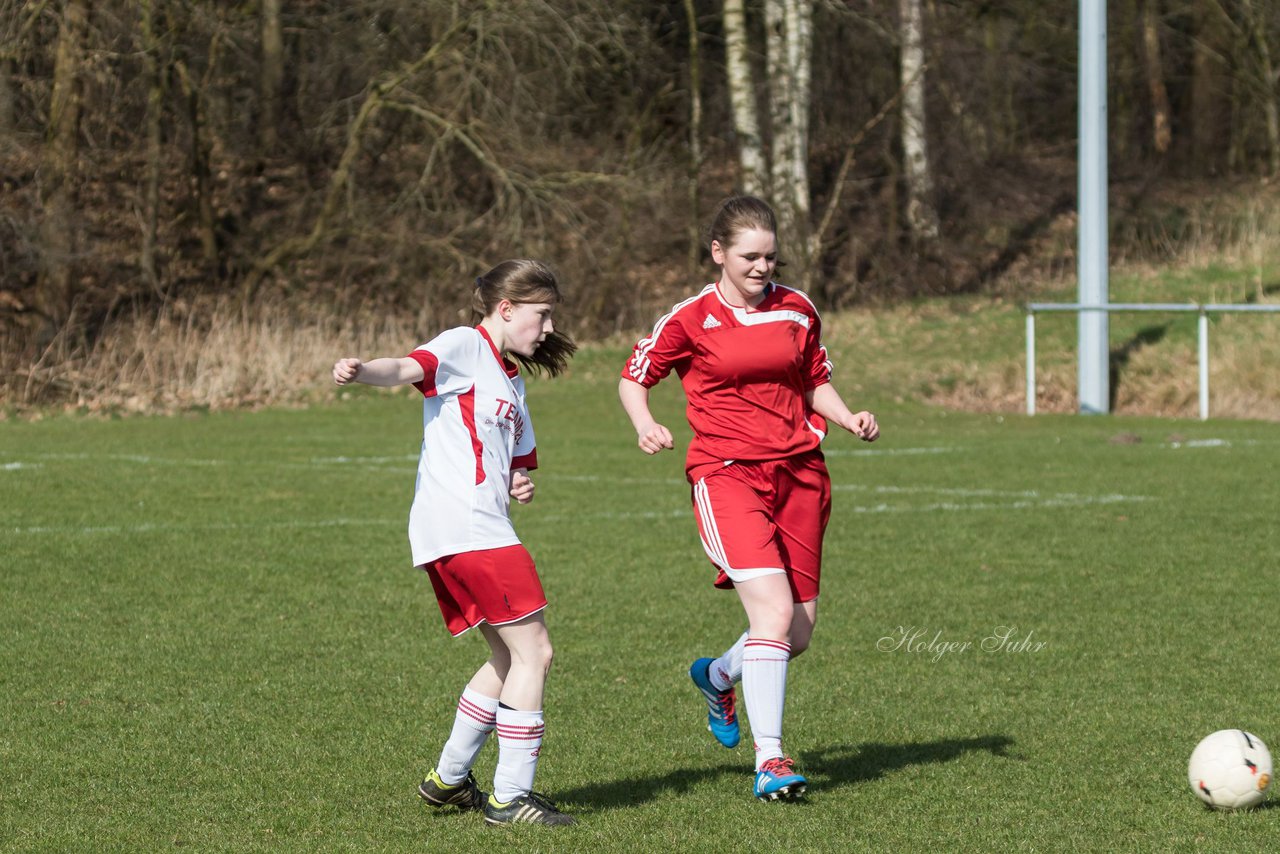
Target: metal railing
[{"x": 1202, "y": 334}]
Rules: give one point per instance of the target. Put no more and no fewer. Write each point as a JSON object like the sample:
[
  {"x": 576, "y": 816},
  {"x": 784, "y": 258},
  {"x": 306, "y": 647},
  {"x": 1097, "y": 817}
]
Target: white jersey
[{"x": 475, "y": 431}]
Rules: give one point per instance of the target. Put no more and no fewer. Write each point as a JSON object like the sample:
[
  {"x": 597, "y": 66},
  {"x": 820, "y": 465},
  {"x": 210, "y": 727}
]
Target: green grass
[{"x": 212, "y": 638}]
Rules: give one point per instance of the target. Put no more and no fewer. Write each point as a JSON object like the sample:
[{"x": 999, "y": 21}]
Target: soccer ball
[{"x": 1230, "y": 770}]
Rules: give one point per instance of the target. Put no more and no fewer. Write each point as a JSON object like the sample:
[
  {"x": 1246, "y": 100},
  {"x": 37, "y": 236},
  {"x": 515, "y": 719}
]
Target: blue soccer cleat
[
  {"x": 777, "y": 780},
  {"x": 722, "y": 720}
]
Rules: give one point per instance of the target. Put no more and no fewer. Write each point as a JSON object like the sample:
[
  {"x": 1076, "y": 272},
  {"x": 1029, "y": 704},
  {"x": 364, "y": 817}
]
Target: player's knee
[
  {"x": 775, "y": 625},
  {"x": 542, "y": 657}
]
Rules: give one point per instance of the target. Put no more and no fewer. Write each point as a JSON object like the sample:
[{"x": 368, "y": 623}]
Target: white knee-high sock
[
  {"x": 519, "y": 743},
  {"x": 475, "y": 719},
  {"x": 764, "y": 689},
  {"x": 727, "y": 669}
]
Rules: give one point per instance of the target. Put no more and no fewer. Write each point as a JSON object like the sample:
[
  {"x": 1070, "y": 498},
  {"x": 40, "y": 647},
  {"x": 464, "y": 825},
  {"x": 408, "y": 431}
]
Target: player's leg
[
  {"x": 715, "y": 678},
  {"x": 731, "y": 522},
  {"x": 801, "y": 514},
  {"x": 450, "y": 782},
  {"x": 726, "y": 671},
  {"x": 520, "y": 727},
  {"x": 803, "y": 620},
  {"x": 767, "y": 600},
  {"x": 504, "y": 588}
]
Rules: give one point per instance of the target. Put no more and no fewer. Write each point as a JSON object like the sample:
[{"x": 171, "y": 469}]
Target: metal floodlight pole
[{"x": 1093, "y": 355}]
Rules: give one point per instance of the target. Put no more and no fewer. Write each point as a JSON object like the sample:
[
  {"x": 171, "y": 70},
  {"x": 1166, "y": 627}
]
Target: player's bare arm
[
  {"x": 381, "y": 372},
  {"x": 826, "y": 401},
  {"x": 651, "y": 436}
]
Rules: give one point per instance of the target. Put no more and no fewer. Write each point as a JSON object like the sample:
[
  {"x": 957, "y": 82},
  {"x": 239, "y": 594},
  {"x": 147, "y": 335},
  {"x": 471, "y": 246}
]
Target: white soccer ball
[{"x": 1230, "y": 770}]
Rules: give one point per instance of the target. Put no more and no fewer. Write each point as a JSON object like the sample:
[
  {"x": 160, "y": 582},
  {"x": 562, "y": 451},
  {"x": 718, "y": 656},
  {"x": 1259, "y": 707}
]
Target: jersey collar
[
  {"x": 768, "y": 292},
  {"x": 507, "y": 365}
]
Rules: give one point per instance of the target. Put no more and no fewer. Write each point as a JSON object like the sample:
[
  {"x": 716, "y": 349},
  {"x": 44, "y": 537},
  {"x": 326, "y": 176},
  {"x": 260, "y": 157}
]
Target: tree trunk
[
  {"x": 1161, "y": 127},
  {"x": 789, "y": 47},
  {"x": 695, "y": 138},
  {"x": 58, "y": 171},
  {"x": 742, "y": 98},
  {"x": 199, "y": 164},
  {"x": 1002, "y": 123},
  {"x": 1266, "y": 83},
  {"x": 272, "y": 79},
  {"x": 1205, "y": 117},
  {"x": 922, "y": 219},
  {"x": 800, "y": 59},
  {"x": 777, "y": 77},
  {"x": 6, "y": 101},
  {"x": 155, "y": 106}
]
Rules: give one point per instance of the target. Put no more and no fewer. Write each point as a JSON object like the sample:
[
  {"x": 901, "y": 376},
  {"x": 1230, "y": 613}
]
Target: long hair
[{"x": 523, "y": 280}]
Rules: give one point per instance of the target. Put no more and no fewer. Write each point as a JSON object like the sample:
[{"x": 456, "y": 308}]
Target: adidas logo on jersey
[{"x": 710, "y": 323}]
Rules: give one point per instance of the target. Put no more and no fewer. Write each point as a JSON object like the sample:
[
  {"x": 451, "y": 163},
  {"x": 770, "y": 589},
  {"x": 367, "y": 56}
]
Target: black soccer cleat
[
  {"x": 532, "y": 808},
  {"x": 465, "y": 795}
]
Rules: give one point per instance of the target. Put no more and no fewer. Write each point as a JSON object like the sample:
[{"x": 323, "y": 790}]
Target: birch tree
[
  {"x": 1161, "y": 127},
  {"x": 922, "y": 218},
  {"x": 789, "y": 50},
  {"x": 742, "y": 98},
  {"x": 783, "y": 175}
]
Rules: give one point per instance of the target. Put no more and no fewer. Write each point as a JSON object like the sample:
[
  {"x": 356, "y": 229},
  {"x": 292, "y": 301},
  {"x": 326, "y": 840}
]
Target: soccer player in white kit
[
  {"x": 477, "y": 450},
  {"x": 749, "y": 354}
]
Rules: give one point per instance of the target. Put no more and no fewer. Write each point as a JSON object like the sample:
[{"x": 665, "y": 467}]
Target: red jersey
[{"x": 745, "y": 373}]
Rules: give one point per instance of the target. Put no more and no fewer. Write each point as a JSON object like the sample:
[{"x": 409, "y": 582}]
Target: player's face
[
  {"x": 747, "y": 265},
  {"x": 528, "y": 326}
]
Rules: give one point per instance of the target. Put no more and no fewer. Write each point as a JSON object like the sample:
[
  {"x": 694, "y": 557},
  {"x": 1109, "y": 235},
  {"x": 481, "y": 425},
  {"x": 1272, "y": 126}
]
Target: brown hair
[
  {"x": 738, "y": 214},
  {"x": 523, "y": 280}
]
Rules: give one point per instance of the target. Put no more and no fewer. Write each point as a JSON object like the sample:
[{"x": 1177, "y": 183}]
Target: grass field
[{"x": 212, "y": 640}]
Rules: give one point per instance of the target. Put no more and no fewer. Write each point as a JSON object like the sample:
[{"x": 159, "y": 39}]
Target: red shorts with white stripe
[
  {"x": 765, "y": 514},
  {"x": 494, "y": 586}
]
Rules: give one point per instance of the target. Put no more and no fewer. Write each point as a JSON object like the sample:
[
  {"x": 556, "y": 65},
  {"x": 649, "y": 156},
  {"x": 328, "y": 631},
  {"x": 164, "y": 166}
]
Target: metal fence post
[
  {"x": 1031, "y": 362},
  {"x": 1203, "y": 336}
]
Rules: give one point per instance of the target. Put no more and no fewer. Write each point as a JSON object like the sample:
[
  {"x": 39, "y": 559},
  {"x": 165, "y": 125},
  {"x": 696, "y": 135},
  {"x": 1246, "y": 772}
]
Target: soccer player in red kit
[
  {"x": 749, "y": 354},
  {"x": 477, "y": 451}
]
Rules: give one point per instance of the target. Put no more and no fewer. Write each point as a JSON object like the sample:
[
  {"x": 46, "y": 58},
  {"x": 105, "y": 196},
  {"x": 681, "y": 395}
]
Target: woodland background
[{"x": 196, "y": 198}]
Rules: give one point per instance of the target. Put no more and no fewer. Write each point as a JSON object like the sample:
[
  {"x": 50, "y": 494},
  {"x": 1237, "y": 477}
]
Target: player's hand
[
  {"x": 863, "y": 425},
  {"x": 345, "y": 370},
  {"x": 656, "y": 438},
  {"x": 521, "y": 487}
]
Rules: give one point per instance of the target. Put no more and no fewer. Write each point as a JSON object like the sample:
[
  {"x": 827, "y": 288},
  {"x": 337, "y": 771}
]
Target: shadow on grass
[
  {"x": 845, "y": 765},
  {"x": 633, "y": 792},
  {"x": 1120, "y": 356},
  {"x": 829, "y": 768}
]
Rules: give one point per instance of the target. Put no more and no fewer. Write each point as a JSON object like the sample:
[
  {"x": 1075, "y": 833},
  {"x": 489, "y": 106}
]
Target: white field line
[
  {"x": 140, "y": 459},
  {"x": 887, "y": 452},
  {"x": 1022, "y": 500},
  {"x": 161, "y": 528},
  {"x": 406, "y": 460}
]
